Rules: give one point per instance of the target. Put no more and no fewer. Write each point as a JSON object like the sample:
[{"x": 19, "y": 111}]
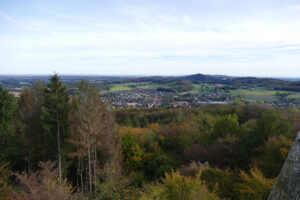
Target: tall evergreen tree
[
  {"x": 7, "y": 132},
  {"x": 56, "y": 111}
]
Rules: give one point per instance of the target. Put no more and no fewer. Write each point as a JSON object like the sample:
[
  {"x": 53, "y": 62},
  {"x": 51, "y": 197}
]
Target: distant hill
[
  {"x": 175, "y": 81},
  {"x": 205, "y": 78}
]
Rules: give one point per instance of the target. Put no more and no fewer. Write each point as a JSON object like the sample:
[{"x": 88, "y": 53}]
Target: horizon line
[{"x": 150, "y": 75}]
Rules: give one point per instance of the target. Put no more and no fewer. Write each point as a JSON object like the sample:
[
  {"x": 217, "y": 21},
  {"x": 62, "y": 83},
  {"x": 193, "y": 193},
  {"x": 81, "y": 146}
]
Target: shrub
[
  {"x": 192, "y": 169},
  {"x": 158, "y": 166},
  {"x": 4, "y": 187},
  {"x": 254, "y": 186},
  {"x": 274, "y": 153},
  {"x": 185, "y": 188},
  {"x": 219, "y": 181},
  {"x": 220, "y": 154},
  {"x": 44, "y": 184},
  {"x": 111, "y": 185}
]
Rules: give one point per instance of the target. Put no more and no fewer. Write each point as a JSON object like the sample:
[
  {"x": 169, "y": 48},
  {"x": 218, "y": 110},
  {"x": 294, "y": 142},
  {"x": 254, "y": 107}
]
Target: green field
[
  {"x": 262, "y": 94},
  {"x": 256, "y": 91},
  {"x": 119, "y": 88},
  {"x": 294, "y": 95},
  {"x": 130, "y": 86}
]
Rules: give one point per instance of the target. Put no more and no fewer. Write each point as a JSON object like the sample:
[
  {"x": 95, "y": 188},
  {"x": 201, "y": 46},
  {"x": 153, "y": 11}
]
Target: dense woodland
[{"x": 61, "y": 145}]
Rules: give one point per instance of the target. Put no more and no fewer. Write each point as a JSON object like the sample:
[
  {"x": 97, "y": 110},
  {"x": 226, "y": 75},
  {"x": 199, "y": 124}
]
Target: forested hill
[
  {"x": 233, "y": 82},
  {"x": 13, "y": 80},
  {"x": 236, "y": 82}
]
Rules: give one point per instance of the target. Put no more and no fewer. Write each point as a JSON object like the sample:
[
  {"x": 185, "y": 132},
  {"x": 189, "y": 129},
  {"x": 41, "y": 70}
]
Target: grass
[
  {"x": 119, "y": 88},
  {"x": 130, "y": 86},
  {"x": 259, "y": 91},
  {"x": 266, "y": 98},
  {"x": 149, "y": 86},
  {"x": 261, "y": 94},
  {"x": 24, "y": 83},
  {"x": 294, "y": 95},
  {"x": 256, "y": 95}
]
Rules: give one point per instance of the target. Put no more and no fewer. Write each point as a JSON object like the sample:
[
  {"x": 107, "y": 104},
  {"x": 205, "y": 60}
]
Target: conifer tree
[
  {"x": 56, "y": 111},
  {"x": 8, "y": 147}
]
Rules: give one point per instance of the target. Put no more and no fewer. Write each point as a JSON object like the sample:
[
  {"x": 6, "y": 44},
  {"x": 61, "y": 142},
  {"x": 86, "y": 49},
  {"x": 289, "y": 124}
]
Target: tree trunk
[
  {"x": 81, "y": 179},
  {"x": 89, "y": 163},
  {"x": 95, "y": 162},
  {"x": 29, "y": 163},
  {"x": 58, "y": 142},
  {"x": 43, "y": 138}
]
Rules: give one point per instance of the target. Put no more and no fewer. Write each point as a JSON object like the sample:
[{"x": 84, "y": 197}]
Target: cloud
[
  {"x": 60, "y": 15},
  {"x": 187, "y": 19},
  {"x": 294, "y": 8},
  {"x": 150, "y": 36},
  {"x": 8, "y": 18}
]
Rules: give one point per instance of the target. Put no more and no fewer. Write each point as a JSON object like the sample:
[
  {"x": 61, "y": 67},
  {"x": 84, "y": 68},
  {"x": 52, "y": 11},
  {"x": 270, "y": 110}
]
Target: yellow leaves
[
  {"x": 155, "y": 127},
  {"x": 4, "y": 191},
  {"x": 137, "y": 132},
  {"x": 4, "y": 188},
  {"x": 154, "y": 147},
  {"x": 284, "y": 151},
  {"x": 254, "y": 185},
  {"x": 186, "y": 188},
  {"x": 160, "y": 138},
  {"x": 138, "y": 154},
  {"x": 273, "y": 154}
]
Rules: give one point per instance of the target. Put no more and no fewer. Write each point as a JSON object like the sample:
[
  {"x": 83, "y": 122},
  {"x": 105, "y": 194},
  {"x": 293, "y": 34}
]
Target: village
[{"x": 149, "y": 98}]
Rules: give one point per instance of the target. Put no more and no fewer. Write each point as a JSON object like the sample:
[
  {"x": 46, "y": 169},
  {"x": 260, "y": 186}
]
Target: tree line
[{"x": 46, "y": 123}]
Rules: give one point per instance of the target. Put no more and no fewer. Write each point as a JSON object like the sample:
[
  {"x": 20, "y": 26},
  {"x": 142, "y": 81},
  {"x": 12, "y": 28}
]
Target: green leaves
[
  {"x": 7, "y": 111},
  {"x": 224, "y": 126}
]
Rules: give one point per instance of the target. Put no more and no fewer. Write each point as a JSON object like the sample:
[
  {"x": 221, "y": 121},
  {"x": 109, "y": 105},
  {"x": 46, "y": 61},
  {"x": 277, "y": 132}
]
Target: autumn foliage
[{"x": 60, "y": 144}]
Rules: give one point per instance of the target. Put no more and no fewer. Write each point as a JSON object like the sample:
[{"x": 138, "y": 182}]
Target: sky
[{"x": 153, "y": 37}]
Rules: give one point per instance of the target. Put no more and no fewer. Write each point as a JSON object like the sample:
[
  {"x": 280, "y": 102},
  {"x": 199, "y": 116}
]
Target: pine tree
[
  {"x": 56, "y": 111},
  {"x": 8, "y": 147}
]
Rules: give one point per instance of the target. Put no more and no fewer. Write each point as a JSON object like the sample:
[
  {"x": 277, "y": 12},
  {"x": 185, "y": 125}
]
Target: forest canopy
[{"x": 61, "y": 145}]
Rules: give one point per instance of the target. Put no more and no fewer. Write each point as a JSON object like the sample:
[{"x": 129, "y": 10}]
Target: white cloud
[
  {"x": 8, "y": 18},
  {"x": 294, "y": 8}
]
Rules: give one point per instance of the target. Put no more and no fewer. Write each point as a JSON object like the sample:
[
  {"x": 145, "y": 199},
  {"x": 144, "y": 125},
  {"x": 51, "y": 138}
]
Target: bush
[
  {"x": 44, "y": 184},
  {"x": 4, "y": 187},
  {"x": 254, "y": 186},
  {"x": 219, "y": 181},
  {"x": 221, "y": 153},
  {"x": 177, "y": 187},
  {"x": 224, "y": 126},
  {"x": 192, "y": 169},
  {"x": 158, "y": 166},
  {"x": 111, "y": 185},
  {"x": 274, "y": 153},
  {"x": 185, "y": 188}
]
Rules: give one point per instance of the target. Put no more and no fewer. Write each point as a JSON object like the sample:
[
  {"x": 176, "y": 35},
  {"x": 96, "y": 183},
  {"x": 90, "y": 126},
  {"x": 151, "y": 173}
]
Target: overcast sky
[{"x": 153, "y": 37}]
